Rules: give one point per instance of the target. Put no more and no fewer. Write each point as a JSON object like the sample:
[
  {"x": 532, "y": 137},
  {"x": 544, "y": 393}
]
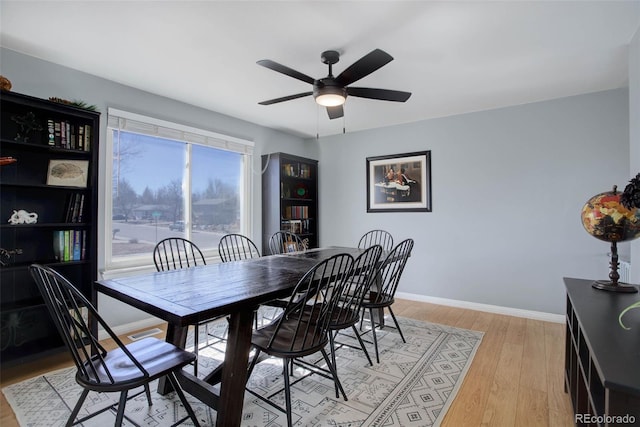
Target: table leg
[
  {"x": 176, "y": 335},
  {"x": 234, "y": 373}
]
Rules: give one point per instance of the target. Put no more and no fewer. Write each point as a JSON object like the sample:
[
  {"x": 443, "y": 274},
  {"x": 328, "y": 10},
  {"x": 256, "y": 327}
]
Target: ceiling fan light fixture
[{"x": 330, "y": 99}]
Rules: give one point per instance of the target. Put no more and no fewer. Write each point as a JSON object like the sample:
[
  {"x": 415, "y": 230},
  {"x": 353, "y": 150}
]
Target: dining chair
[
  {"x": 122, "y": 369},
  {"x": 282, "y": 242},
  {"x": 303, "y": 328},
  {"x": 175, "y": 253},
  {"x": 347, "y": 311},
  {"x": 376, "y": 237},
  {"x": 383, "y": 289},
  {"x": 234, "y": 247}
]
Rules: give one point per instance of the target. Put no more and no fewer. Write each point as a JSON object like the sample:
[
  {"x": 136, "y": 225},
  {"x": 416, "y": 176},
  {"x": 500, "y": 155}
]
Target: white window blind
[{"x": 136, "y": 123}]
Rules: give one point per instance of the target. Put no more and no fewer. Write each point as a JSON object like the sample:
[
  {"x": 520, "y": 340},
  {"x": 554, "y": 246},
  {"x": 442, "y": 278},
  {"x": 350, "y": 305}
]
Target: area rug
[{"x": 413, "y": 385}]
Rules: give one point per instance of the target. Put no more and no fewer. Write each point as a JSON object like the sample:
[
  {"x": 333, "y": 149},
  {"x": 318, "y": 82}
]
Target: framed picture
[
  {"x": 399, "y": 183},
  {"x": 68, "y": 173}
]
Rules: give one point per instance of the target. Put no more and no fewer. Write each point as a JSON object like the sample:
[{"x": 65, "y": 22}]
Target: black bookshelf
[
  {"x": 602, "y": 360},
  {"x": 40, "y": 134},
  {"x": 289, "y": 197}
]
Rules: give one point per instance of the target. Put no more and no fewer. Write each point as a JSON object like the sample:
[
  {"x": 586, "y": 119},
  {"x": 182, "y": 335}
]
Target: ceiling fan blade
[
  {"x": 364, "y": 66},
  {"x": 285, "y": 98},
  {"x": 335, "y": 112},
  {"x": 381, "y": 94},
  {"x": 285, "y": 70}
]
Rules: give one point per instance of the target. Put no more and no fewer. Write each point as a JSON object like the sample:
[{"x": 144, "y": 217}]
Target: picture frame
[
  {"x": 399, "y": 182},
  {"x": 68, "y": 173}
]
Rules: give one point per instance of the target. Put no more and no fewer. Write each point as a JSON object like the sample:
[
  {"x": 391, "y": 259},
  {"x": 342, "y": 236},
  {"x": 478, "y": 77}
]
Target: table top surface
[{"x": 191, "y": 295}]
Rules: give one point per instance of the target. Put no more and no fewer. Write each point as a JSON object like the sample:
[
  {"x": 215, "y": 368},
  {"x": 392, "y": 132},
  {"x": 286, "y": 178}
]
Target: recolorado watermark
[{"x": 604, "y": 419}]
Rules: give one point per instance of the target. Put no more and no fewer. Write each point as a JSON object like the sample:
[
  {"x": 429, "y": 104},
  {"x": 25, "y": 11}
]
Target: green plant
[
  {"x": 631, "y": 307},
  {"x": 630, "y": 198}
]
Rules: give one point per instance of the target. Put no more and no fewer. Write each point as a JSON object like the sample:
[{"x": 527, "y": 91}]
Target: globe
[{"x": 605, "y": 218}]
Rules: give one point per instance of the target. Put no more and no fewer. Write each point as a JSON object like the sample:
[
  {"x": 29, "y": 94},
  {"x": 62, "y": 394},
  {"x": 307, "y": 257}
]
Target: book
[
  {"x": 69, "y": 210},
  {"x": 76, "y": 207},
  {"x": 83, "y": 247},
  {"x": 87, "y": 137},
  {"x": 77, "y": 239},
  {"x": 51, "y": 129},
  {"x": 80, "y": 137},
  {"x": 81, "y": 208},
  {"x": 58, "y": 245},
  {"x": 67, "y": 244},
  {"x": 57, "y": 136}
]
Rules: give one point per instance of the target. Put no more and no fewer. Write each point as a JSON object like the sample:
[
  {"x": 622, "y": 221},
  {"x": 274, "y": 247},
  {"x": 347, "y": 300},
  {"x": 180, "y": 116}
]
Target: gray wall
[{"x": 508, "y": 188}]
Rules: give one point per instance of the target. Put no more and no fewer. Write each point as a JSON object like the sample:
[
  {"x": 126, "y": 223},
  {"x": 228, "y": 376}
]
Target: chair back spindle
[{"x": 235, "y": 247}]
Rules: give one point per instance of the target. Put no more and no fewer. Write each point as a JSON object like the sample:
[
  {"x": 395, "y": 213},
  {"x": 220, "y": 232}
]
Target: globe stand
[{"x": 613, "y": 285}]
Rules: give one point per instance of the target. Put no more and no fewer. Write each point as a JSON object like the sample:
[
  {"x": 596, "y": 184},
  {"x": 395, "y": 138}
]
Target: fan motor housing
[{"x": 328, "y": 86}]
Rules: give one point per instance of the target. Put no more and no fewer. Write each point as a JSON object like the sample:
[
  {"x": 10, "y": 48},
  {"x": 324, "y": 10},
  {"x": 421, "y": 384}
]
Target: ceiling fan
[{"x": 330, "y": 91}]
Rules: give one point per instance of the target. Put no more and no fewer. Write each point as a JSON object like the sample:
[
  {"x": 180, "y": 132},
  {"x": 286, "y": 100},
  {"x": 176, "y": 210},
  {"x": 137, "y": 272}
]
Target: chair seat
[
  {"x": 380, "y": 301},
  {"x": 156, "y": 356},
  {"x": 282, "y": 346}
]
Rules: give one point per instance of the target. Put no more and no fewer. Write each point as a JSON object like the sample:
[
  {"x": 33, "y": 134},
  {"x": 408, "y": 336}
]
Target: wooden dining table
[{"x": 193, "y": 295}]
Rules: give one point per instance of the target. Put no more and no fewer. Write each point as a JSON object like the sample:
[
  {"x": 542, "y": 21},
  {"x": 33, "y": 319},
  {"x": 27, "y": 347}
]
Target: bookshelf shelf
[
  {"x": 289, "y": 197},
  {"x": 60, "y": 209}
]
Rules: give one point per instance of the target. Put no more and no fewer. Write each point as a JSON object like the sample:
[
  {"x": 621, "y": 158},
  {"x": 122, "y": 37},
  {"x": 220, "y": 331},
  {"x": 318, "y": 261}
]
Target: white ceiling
[{"x": 455, "y": 57}]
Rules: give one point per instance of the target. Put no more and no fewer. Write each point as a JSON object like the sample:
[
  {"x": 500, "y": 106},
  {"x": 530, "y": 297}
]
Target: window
[{"x": 169, "y": 180}]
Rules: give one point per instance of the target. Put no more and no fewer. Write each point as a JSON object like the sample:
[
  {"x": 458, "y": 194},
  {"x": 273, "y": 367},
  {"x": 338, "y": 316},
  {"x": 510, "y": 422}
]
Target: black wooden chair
[
  {"x": 282, "y": 242},
  {"x": 175, "y": 253},
  {"x": 234, "y": 247},
  {"x": 347, "y": 312},
  {"x": 376, "y": 237},
  {"x": 383, "y": 290},
  {"x": 120, "y": 370},
  {"x": 303, "y": 327}
]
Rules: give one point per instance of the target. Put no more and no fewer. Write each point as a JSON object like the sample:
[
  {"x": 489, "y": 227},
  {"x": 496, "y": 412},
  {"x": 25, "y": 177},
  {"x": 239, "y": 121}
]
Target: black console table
[{"x": 602, "y": 360}]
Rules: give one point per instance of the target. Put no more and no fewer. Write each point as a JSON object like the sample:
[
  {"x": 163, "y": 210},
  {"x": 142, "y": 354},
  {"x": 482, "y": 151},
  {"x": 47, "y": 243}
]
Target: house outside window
[{"x": 170, "y": 180}]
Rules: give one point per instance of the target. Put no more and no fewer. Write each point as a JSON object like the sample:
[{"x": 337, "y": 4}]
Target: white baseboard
[
  {"x": 508, "y": 311},
  {"x": 130, "y": 327}
]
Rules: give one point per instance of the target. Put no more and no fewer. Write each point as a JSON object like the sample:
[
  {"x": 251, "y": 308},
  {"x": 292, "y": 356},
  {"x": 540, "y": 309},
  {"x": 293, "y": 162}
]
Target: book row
[
  {"x": 69, "y": 245},
  {"x": 75, "y": 208},
  {"x": 296, "y": 226},
  {"x": 296, "y": 212},
  {"x": 63, "y": 134}
]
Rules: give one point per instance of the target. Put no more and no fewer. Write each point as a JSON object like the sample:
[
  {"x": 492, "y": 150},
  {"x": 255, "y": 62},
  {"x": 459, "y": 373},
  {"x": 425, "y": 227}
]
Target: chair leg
[
  {"x": 332, "y": 344},
  {"x": 148, "y": 393},
  {"x": 196, "y": 338},
  {"x": 253, "y": 363},
  {"x": 287, "y": 390},
  {"x": 76, "y": 409},
  {"x": 393, "y": 316},
  {"x": 333, "y": 373},
  {"x": 176, "y": 387},
  {"x": 373, "y": 331},
  {"x": 364, "y": 349},
  {"x": 121, "y": 405}
]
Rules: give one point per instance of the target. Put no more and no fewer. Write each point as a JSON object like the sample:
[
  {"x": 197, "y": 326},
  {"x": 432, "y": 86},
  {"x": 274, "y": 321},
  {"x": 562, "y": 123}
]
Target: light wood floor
[{"x": 516, "y": 378}]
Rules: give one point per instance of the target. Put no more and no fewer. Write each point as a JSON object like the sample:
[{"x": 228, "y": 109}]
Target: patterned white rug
[{"x": 413, "y": 385}]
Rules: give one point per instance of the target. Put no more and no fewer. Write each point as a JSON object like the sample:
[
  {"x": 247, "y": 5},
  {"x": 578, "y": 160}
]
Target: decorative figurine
[
  {"x": 23, "y": 217},
  {"x": 28, "y": 123},
  {"x": 5, "y": 255}
]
